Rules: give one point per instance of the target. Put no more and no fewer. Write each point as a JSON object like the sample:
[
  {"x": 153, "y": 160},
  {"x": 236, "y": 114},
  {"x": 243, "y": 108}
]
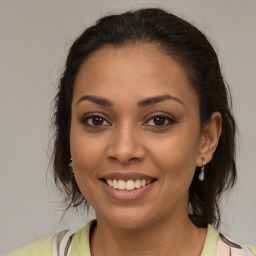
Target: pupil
[
  {"x": 159, "y": 121},
  {"x": 97, "y": 121}
]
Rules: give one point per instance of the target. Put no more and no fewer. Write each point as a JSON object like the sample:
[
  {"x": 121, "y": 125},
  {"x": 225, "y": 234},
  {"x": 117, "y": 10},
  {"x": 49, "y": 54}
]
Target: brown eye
[
  {"x": 95, "y": 121},
  {"x": 159, "y": 121}
]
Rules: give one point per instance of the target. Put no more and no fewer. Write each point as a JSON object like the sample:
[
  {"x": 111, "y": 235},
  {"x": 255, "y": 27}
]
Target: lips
[{"x": 127, "y": 186}]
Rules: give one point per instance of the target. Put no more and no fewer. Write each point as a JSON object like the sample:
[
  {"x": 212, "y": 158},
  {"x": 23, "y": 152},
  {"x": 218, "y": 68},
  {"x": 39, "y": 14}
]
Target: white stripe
[
  {"x": 63, "y": 243},
  {"x": 223, "y": 250},
  {"x": 55, "y": 244}
]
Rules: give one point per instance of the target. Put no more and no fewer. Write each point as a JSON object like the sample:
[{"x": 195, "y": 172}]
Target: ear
[{"x": 209, "y": 139}]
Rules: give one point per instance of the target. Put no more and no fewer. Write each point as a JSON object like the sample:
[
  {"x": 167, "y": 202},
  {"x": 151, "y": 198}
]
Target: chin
[{"x": 128, "y": 218}]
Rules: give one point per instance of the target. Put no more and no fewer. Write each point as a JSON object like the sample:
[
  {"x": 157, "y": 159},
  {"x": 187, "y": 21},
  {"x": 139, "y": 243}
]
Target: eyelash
[
  {"x": 171, "y": 120},
  {"x": 166, "y": 117},
  {"x": 92, "y": 116}
]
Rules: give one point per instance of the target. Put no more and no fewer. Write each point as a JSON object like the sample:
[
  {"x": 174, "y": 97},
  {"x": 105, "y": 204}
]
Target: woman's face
[{"x": 135, "y": 135}]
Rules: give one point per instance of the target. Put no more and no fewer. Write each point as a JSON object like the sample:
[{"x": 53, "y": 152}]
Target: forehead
[{"x": 132, "y": 69}]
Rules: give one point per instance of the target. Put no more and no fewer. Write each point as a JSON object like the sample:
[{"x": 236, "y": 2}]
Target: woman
[{"x": 144, "y": 134}]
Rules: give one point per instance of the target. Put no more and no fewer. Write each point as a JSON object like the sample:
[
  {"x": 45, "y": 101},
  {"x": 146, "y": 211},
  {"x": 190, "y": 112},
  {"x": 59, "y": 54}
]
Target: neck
[{"x": 166, "y": 237}]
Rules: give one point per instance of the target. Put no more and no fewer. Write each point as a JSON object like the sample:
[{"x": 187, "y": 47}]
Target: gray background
[{"x": 35, "y": 37}]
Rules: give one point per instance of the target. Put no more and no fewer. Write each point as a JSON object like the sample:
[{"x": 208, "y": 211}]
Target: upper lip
[{"x": 127, "y": 176}]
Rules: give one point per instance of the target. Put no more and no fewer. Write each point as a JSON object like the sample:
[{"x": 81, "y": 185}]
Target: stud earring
[
  {"x": 201, "y": 174},
  {"x": 71, "y": 168}
]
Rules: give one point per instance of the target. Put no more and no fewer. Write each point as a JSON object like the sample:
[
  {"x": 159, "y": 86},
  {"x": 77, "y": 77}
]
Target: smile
[{"x": 127, "y": 185}]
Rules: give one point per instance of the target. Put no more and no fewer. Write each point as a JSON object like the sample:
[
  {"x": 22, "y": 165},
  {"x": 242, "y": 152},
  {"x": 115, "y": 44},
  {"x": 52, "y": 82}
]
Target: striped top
[{"x": 80, "y": 245}]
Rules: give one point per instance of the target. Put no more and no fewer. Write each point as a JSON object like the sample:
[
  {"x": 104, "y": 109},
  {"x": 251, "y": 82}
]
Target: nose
[{"x": 126, "y": 146}]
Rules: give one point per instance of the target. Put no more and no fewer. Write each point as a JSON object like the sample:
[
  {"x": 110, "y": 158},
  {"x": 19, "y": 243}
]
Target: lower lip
[{"x": 126, "y": 195}]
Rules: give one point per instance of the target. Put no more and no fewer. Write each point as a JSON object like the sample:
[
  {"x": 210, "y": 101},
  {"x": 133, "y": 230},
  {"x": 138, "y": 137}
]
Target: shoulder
[
  {"x": 41, "y": 247},
  {"x": 80, "y": 243},
  {"x": 227, "y": 245},
  {"x": 236, "y": 248},
  {"x": 252, "y": 249},
  {"x": 217, "y": 244}
]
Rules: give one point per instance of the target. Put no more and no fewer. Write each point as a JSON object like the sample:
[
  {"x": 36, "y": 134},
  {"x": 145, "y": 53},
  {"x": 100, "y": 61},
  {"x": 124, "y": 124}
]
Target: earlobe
[{"x": 210, "y": 138}]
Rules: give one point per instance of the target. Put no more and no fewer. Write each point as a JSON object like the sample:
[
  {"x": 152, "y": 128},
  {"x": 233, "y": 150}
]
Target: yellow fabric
[
  {"x": 40, "y": 247},
  {"x": 211, "y": 242},
  {"x": 80, "y": 245},
  {"x": 252, "y": 249}
]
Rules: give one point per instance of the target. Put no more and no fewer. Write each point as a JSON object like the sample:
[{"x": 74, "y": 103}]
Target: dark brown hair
[{"x": 189, "y": 47}]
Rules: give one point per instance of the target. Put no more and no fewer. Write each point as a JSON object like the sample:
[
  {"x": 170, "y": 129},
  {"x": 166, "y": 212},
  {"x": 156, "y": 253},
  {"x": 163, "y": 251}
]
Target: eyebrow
[
  {"x": 143, "y": 103},
  {"x": 95, "y": 99},
  {"x": 157, "y": 99}
]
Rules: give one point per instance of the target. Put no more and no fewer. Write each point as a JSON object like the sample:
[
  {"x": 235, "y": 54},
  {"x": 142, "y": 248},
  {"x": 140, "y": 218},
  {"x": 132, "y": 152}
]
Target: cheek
[
  {"x": 84, "y": 149},
  {"x": 176, "y": 160},
  {"x": 87, "y": 155},
  {"x": 177, "y": 153}
]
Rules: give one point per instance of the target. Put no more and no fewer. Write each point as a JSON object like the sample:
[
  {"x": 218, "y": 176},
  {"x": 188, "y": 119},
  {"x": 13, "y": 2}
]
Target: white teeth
[
  {"x": 110, "y": 182},
  {"x": 114, "y": 184},
  {"x": 127, "y": 185},
  {"x": 121, "y": 184},
  {"x": 137, "y": 184}
]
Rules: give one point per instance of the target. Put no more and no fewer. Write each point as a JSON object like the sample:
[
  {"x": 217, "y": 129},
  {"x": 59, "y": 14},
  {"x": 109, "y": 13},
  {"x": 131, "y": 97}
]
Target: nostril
[
  {"x": 112, "y": 158},
  {"x": 123, "y": 159}
]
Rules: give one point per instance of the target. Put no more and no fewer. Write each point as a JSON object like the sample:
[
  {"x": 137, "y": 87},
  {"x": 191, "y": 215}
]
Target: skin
[{"x": 128, "y": 138}]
